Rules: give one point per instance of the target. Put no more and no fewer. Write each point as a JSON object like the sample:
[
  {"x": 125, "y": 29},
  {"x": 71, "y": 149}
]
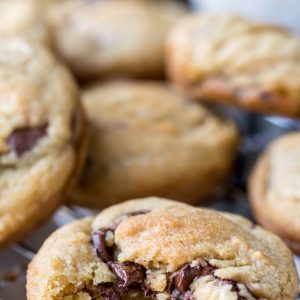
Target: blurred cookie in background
[
  {"x": 42, "y": 136},
  {"x": 147, "y": 139},
  {"x": 23, "y": 17},
  {"x": 113, "y": 37},
  {"x": 274, "y": 189},
  {"x": 233, "y": 60}
]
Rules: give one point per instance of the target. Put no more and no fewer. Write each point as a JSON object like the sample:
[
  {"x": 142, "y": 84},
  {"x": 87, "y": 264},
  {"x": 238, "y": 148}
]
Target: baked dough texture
[
  {"x": 112, "y": 37},
  {"x": 233, "y": 60},
  {"x": 42, "y": 135},
  {"x": 165, "y": 250},
  {"x": 149, "y": 140},
  {"x": 274, "y": 189}
]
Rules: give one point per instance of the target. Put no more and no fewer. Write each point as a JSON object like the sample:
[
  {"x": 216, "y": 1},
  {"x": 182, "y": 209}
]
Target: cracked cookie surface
[
  {"x": 147, "y": 139},
  {"x": 274, "y": 189},
  {"x": 42, "y": 136},
  {"x": 232, "y": 60},
  {"x": 112, "y": 37},
  {"x": 162, "y": 249}
]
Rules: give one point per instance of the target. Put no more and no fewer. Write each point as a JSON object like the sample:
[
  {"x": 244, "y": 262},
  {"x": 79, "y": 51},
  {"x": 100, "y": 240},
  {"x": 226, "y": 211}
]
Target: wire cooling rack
[{"x": 256, "y": 132}]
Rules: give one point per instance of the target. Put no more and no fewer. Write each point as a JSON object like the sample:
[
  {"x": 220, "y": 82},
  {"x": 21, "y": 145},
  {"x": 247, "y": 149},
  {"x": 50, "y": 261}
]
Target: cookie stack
[{"x": 89, "y": 117}]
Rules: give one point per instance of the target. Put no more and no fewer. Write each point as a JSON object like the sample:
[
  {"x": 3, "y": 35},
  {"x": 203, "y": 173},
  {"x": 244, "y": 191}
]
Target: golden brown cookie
[
  {"x": 42, "y": 136},
  {"x": 274, "y": 189},
  {"x": 232, "y": 60},
  {"x": 149, "y": 140},
  {"x": 160, "y": 249},
  {"x": 112, "y": 37},
  {"x": 23, "y": 17}
]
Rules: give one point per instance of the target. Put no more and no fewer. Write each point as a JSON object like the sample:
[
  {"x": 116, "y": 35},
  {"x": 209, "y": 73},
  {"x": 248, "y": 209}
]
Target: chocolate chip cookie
[
  {"x": 160, "y": 249},
  {"x": 112, "y": 37},
  {"x": 42, "y": 136},
  {"x": 232, "y": 60},
  {"x": 23, "y": 17},
  {"x": 274, "y": 189},
  {"x": 149, "y": 140}
]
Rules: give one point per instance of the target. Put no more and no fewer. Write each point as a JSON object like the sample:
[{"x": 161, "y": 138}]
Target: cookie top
[
  {"x": 164, "y": 249},
  {"x": 23, "y": 17},
  {"x": 274, "y": 187},
  {"x": 231, "y": 59},
  {"x": 113, "y": 38},
  {"x": 41, "y": 134},
  {"x": 144, "y": 136}
]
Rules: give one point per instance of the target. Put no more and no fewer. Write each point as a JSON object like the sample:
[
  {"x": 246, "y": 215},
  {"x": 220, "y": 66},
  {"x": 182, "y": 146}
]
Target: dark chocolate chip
[
  {"x": 138, "y": 212},
  {"x": 130, "y": 274},
  {"x": 99, "y": 244},
  {"x": 181, "y": 279},
  {"x": 130, "y": 214},
  {"x": 24, "y": 139},
  {"x": 110, "y": 291},
  {"x": 188, "y": 296}
]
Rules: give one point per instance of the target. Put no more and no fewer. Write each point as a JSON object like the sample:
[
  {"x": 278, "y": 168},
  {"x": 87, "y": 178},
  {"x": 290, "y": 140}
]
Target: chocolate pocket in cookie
[
  {"x": 23, "y": 139},
  {"x": 113, "y": 38}
]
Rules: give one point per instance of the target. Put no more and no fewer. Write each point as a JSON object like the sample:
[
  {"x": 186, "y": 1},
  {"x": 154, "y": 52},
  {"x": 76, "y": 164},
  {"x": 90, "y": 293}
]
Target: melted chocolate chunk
[
  {"x": 98, "y": 240},
  {"x": 110, "y": 291},
  {"x": 181, "y": 279},
  {"x": 138, "y": 212},
  {"x": 130, "y": 275},
  {"x": 24, "y": 139},
  {"x": 266, "y": 96}
]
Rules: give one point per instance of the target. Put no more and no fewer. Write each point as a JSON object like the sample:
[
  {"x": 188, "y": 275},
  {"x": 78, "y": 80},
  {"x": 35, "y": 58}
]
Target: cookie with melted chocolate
[
  {"x": 274, "y": 189},
  {"x": 42, "y": 135},
  {"x": 160, "y": 249}
]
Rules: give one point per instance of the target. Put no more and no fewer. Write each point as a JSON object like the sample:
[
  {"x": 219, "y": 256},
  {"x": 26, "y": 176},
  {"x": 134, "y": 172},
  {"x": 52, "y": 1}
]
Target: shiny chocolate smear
[
  {"x": 129, "y": 274},
  {"x": 181, "y": 279}
]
